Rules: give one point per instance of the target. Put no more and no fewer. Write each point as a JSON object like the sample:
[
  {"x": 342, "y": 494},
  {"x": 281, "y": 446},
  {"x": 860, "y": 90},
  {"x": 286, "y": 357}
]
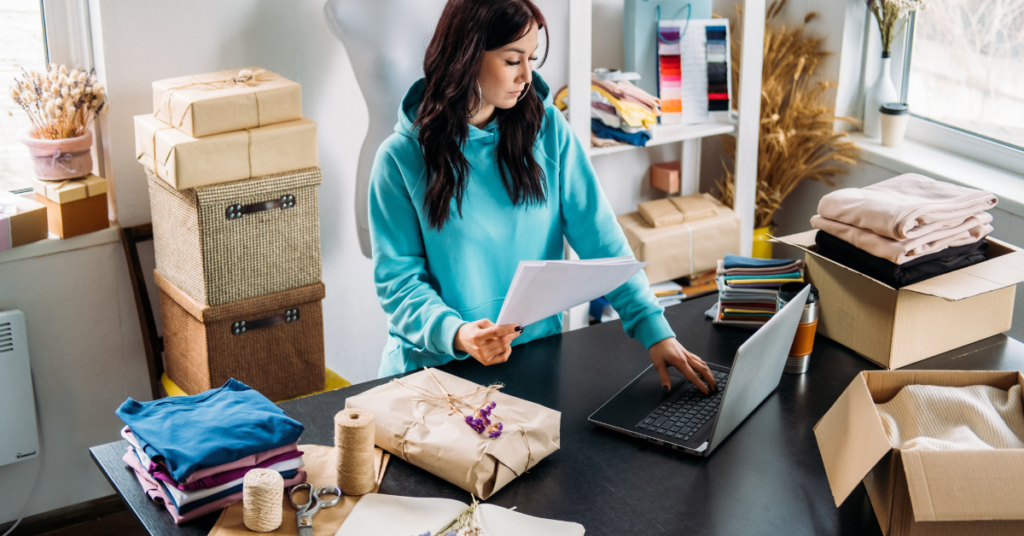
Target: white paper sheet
[
  {"x": 544, "y": 288},
  {"x": 390, "y": 515}
]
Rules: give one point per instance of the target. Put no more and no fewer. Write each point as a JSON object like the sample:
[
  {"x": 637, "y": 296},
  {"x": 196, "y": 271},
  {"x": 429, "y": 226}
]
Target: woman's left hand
[{"x": 669, "y": 353}]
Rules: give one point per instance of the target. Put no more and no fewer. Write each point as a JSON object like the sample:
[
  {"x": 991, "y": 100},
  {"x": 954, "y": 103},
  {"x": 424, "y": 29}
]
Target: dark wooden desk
[{"x": 767, "y": 478}]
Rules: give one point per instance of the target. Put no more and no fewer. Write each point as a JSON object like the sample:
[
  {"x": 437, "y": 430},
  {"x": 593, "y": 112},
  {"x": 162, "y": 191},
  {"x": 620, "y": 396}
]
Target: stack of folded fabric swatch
[
  {"x": 620, "y": 113},
  {"x": 905, "y": 229},
  {"x": 748, "y": 288},
  {"x": 191, "y": 453}
]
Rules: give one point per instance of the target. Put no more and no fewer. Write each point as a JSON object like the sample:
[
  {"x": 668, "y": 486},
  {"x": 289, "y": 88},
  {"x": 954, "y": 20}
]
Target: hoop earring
[
  {"x": 479, "y": 99},
  {"x": 523, "y": 94}
]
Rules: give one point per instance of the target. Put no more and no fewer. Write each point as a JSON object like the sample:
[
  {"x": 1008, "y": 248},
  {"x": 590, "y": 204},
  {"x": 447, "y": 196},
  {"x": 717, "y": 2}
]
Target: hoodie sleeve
[
  {"x": 593, "y": 232},
  {"x": 413, "y": 307}
]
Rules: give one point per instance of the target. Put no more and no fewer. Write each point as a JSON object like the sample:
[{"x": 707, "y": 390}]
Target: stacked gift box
[
  {"x": 233, "y": 173},
  {"x": 65, "y": 207}
]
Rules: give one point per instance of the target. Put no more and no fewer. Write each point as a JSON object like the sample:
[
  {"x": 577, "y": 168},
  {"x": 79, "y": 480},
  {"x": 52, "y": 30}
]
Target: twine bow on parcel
[
  {"x": 455, "y": 404},
  {"x": 245, "y": 78}
]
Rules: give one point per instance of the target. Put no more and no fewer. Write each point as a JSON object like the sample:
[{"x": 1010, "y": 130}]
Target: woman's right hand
[{"x": 486, "y": 342}]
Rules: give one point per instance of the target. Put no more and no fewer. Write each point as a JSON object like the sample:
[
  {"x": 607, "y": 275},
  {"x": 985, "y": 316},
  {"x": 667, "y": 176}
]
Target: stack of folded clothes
[
  {"x": 748, "y": 288},
  {"x": 905, "y": 229},
  {"x": 191, "y": 453},
  {"x": 620, "y": 112}
]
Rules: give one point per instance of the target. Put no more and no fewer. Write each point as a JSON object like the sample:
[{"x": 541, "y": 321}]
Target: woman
[{"x": 482, "y": 172}]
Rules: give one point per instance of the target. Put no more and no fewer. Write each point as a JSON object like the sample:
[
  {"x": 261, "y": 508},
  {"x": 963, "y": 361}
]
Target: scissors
[{"x": 305, "y": 512}]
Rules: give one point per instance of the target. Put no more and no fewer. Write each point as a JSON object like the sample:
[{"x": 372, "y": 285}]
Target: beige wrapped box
[
  {"x": 416, "y": 423},
  {"x": 677, "y": 209},
  {"x": 207, "y": 104},
  {"x": 185, "y": 162},
  {"x": 688, "y": 248}
]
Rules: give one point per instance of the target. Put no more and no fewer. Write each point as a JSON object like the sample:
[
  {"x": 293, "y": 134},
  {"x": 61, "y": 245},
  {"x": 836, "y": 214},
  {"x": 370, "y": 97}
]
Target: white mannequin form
[{"x": 385, "y": 41}]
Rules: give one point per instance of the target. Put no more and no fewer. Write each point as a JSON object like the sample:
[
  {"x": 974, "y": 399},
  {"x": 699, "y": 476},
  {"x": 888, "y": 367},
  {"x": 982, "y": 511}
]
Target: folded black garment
[{"x": 899, "y": 275}]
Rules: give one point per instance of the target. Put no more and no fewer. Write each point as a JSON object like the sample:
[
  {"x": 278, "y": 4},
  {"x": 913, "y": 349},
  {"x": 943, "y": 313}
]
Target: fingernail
[
  {"x": 664, "y": 389},
  {"x": 519, "y": 328}
]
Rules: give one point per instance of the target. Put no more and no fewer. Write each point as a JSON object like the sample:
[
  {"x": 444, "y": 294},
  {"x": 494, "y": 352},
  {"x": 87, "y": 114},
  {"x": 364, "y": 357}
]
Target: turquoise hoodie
[{"x": 430, "y": 282}]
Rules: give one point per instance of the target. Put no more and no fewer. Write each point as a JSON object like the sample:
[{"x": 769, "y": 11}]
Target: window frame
[{"x": 948, "y": 137}]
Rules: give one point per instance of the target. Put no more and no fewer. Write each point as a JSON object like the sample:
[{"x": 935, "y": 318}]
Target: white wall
[{"x": 87, "y": 357}]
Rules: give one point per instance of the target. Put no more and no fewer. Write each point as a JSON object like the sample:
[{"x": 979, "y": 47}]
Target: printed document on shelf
[{"x": 544, "y": 288}]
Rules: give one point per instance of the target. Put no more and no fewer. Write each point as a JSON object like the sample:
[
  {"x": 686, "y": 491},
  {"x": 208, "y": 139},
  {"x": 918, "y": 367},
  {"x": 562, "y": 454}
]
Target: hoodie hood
[{"x": 410, "y": 107}]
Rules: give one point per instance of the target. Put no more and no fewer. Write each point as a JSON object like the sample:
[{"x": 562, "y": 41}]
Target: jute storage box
[
  {"x": 897, "y": 327},
  {"x": 228, "y": 242},
  {"x": 918, "y": 491},
  {"x": 273, "y": 343}
]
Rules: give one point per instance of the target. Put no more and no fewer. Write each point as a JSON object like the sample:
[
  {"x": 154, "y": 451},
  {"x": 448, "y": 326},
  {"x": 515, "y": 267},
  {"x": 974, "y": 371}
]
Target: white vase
[{"x": 881, "y": 92}]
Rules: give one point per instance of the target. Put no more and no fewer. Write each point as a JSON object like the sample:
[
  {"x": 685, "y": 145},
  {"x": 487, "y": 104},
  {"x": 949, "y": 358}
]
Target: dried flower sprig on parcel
[
  {"x": 480, "y": 421},
  {"x": 59, "y": 103},
  {"x": 466, "y": 524}
]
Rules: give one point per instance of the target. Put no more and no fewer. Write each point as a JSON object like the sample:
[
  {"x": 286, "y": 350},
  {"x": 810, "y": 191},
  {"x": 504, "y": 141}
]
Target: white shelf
[{"x": 663, "y": 134}]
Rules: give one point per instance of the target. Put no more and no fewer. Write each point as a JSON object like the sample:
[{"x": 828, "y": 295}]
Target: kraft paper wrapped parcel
[{"x": 415, "y": 421}]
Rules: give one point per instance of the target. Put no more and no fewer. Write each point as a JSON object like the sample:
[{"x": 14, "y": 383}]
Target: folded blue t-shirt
[
  {"x": 737, "y": 261},
  {"x": 212, "y": 428}
]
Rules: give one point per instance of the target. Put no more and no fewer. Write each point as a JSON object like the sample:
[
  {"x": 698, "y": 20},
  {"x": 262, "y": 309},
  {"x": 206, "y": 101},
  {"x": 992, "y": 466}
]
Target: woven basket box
[
  {"x": 273, "y": 343},
  {"x": 228, "y": 242}
]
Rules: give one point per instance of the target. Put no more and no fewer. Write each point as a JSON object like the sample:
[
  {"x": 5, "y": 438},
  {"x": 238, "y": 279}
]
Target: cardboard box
[
  {"x": 207, "y": 104},
  {"x": 185, "y": 162},
  {"x": 681, "y": 250},
  {"x": 74, "y": 207},
  {"x": 920, "y": 491},
  {"x": 26, "y": 220},
  {"x": 665, "y": 176},
  {"x": 895, "y": 328}
]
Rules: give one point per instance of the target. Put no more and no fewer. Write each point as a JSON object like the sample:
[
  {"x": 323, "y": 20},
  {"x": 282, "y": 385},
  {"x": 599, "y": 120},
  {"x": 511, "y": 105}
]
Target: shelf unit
[{"x": 746, "y": 126}]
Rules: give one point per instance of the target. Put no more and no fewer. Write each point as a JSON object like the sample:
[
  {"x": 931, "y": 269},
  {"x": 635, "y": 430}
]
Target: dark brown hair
[{"x": 466, "y": 30}]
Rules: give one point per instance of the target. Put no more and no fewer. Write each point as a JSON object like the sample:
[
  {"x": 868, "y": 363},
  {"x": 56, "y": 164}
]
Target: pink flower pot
[{"x": 57, "y": 160}]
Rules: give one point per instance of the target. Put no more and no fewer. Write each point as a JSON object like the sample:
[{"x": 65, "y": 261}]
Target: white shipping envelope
[
  {"x": 389, "y": 515},
  {"x": 544, "y": 288}
]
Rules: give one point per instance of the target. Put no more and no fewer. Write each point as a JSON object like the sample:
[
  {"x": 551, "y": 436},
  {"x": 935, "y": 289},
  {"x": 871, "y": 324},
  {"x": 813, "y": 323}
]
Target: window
[
  {"x": 967, "y": 71},
  {"x": 21, "y": 46}
]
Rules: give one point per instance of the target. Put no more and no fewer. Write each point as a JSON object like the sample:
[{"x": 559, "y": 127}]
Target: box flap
[
  {"x": 993, "y": 274},
  {"x": 802, "y": 240},
  {"x": 851, "y": 439},
  {"x": 965, "y": 485}
]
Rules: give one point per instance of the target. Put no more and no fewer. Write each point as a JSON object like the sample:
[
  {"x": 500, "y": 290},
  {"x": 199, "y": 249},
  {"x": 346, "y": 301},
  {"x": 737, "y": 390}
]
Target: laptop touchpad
[{"x": 649, "y": 385}]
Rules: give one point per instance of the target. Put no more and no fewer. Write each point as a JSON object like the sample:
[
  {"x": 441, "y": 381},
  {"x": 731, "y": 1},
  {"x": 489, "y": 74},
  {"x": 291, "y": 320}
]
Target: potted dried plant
[
  {"x": 61, "y": 105},
  {"x": 798, "y": 140},
  {"x": 891, "y": 16}
]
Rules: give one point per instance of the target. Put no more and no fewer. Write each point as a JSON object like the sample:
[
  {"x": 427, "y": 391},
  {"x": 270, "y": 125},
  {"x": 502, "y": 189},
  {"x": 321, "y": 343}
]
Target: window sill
[
  {"x": 54, "y": 245},
  {"x": 916, "y": 157}
]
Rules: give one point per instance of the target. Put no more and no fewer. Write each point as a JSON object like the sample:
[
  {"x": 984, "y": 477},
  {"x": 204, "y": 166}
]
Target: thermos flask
[{"x": 800, "y": 353}]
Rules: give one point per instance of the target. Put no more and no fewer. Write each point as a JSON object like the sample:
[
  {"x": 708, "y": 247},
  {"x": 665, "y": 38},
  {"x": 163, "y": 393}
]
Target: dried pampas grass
[
  {"x": 59, "y": 103},
  {"x": 798, "y": 140}
]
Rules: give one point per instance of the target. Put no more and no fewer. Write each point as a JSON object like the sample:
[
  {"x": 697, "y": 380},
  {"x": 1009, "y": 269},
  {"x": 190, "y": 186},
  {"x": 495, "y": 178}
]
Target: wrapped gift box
[
  {"x": 185, "y": 162},
  {"x": 416, "y": 422},
  {"x": 74, "y": 207},
  {"x": 228, "y": 242},
  {"x": 272, "y": 343},
  {"x": 213, "y": 103},
  {"x": 22, "y": 220},
  {"x": 687, "y": 248}
]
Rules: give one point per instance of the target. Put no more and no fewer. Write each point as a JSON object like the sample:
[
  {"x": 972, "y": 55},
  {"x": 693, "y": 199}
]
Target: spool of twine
[
  {"x": 262, "y": 497},
  {"x": 353, "y": 435}
]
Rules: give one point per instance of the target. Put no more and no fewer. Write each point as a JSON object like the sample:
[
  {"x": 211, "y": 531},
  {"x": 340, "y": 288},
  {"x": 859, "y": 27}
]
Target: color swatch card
[{"x": 693, "y": 69}]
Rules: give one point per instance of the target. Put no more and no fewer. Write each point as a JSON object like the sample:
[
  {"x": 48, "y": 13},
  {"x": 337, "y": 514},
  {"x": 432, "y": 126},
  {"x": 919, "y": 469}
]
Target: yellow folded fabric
[
  {"x": 632, "y": 113},
  {"x": 759, "y": 311}
]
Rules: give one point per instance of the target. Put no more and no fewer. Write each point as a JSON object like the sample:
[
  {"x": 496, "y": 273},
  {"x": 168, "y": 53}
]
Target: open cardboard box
[
  {"x": 917, "y": 492},
  {"x": 895, "y": 328}
]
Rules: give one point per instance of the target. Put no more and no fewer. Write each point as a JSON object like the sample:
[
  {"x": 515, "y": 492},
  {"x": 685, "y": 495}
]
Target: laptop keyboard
[{"x": 683, "y": 417}]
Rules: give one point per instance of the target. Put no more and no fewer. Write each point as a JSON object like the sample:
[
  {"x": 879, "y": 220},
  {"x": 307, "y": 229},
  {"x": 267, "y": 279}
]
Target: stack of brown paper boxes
[
  {"x": 233, "y": 173},
  {"x": 681, "y": 236}
]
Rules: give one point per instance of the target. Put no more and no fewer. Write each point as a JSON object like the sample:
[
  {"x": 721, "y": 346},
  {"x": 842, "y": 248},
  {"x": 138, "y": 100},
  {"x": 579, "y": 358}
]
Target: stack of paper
[
  {"x": 389, "y": 515},
  {"x": 544, "y": 288}
]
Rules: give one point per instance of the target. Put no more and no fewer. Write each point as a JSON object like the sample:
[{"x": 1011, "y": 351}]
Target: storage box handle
[
  {"x": 243, "y": 326},
  {"x": 236, "y": 211}
]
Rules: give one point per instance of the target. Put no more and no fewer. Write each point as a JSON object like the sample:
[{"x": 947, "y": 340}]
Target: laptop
[{"x": 688, "y": 420}]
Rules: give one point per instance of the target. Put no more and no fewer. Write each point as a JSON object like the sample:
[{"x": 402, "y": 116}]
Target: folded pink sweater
[
  {"x": 905, "y": 207},
  {"x": 900, "y": 251}
]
